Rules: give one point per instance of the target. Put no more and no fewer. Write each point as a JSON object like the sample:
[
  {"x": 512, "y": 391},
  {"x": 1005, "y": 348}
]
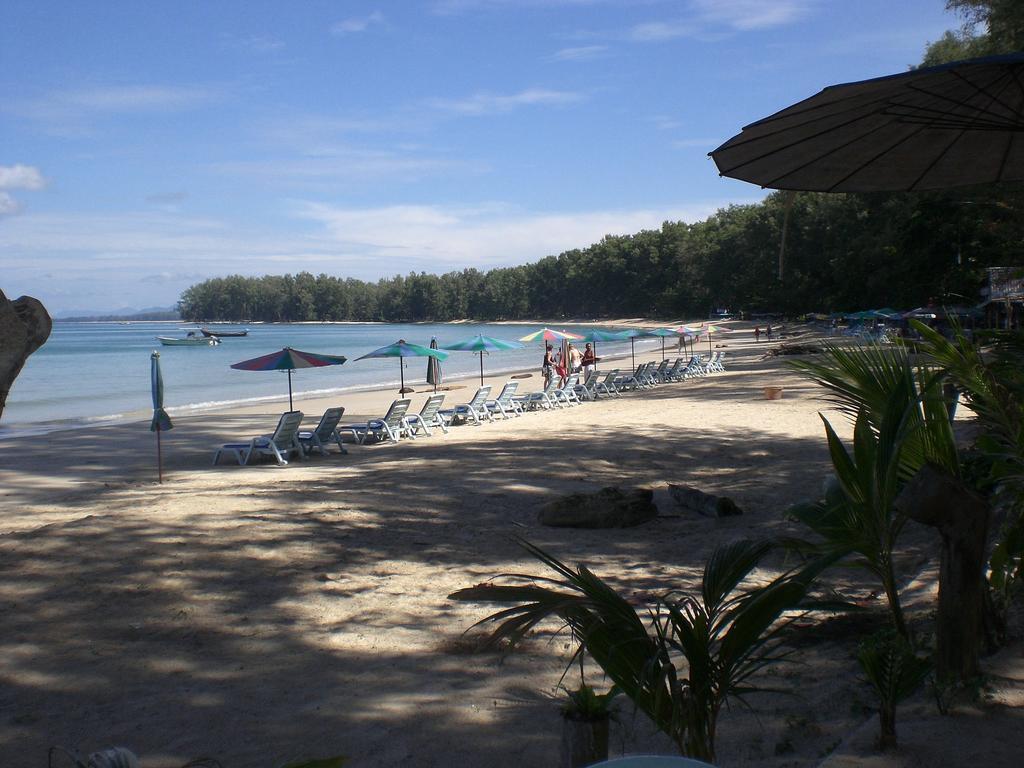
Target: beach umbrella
[
  {"x": 434, "y": 367},
  {"x": 402, "y": 348},
  {"x": 663, "y": 333},
  {"x": 931, "y": 128},
  {"x": 711, "y": 328},
  {"x": 632, "y": 334},
  {"x": 161, "y": 421},
  {"x": 546, "y": 334},
  {"x": 481, "y": 344},
  {"x": 289, "y": 359},
  {"x": 597, "y": 335}
]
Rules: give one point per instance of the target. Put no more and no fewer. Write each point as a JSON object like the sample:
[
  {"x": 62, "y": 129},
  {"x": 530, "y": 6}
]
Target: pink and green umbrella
[
  {"x": 289, "y": 359},
  {"x": 546, "y": 334}
]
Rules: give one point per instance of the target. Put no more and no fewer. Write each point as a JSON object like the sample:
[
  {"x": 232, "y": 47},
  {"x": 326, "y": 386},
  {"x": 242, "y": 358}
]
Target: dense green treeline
[{"x": 842, "y": 252}]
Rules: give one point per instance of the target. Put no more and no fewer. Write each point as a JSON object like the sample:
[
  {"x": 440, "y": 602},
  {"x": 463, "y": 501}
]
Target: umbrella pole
[
  {"x": 159, "y": 457},
  {"x": 662, "y": 347},
  {"x": 632, "y": 352},
  {"x": 290, "y": 406},
  {"x": 481, "y": 367},
  {"x": 401, "y": 376}
]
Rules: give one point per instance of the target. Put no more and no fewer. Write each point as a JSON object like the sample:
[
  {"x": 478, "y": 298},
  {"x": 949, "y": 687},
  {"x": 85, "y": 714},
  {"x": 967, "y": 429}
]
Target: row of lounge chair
[{"x": 289, "y": 438}]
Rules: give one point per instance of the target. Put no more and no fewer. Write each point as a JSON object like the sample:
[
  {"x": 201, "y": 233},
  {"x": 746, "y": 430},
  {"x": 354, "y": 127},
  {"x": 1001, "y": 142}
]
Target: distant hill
[{"x": 128, "y": 313}]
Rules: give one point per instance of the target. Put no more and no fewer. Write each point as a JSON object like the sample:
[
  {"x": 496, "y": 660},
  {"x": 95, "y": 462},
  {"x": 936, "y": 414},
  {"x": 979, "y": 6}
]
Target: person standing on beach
[
  {"x": 589, "y": 360},
  {"x": 548, "y": 366},
  {"x": 768, "y": 331},
  {"x": 575, "y": 359},
  {"x": 757, "y": 333}
]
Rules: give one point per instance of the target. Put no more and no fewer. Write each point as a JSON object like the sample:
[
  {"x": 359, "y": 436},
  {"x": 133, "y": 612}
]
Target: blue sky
[{"x": 145, "y": 146}]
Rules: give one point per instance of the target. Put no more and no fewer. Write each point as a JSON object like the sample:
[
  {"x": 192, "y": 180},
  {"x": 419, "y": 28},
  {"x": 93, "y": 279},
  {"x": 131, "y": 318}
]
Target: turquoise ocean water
[{"x": 89, "y": 373}]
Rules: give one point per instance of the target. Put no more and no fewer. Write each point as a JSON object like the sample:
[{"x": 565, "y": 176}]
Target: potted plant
[{"x": 585, "y": 717}]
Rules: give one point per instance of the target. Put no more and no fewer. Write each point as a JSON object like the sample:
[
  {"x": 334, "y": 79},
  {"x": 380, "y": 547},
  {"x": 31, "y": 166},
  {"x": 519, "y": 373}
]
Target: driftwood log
[
  {"x": 608, "y": 508},
  {"x": 25, "y": 326},
  {"x": 935, "y": 498},
  {"x": 706, "y": 504}
]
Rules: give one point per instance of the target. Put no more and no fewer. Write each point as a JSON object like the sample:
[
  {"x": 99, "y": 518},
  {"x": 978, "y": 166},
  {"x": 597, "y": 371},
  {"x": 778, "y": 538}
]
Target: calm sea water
[{"x": 98, "y": 372}]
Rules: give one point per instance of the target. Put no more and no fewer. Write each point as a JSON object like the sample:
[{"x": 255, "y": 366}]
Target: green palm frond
[{"x": 693, "y": 653}]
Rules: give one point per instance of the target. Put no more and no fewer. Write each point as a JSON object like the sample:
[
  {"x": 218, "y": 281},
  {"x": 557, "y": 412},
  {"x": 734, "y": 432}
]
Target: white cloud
[
  {"x": 21, "y": 177},
  {"x": 8, "y": 205},
  {"x": 357, "y": 24},
  {"x": 657, "y": 31},
  {"x": 580, "y": 53},
  {"x": 17, "y": 177},
  {"x": 69, "y": 111},
  {"x": 492, "y": 103},
  {"x": 435, "y": 238},
  {"x": 743, "y": 15}
]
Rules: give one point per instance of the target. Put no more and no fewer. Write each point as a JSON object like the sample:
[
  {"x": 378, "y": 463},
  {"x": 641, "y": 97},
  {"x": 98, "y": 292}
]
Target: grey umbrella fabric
[{"x": 932, "y": 128}]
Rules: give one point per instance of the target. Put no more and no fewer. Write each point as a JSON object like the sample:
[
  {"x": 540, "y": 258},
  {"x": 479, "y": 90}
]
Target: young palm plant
[
  {"x": 900, "y": 424},
  {"x": 993, "y": 386},
  {"x": 691, "y": 655},
  {"x": 895, "y": 672}
]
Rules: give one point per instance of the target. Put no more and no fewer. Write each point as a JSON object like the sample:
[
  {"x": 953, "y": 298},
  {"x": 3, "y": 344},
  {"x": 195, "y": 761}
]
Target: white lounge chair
[
  {"x": 544, "y": 399},
  {"x": 429, "y": 416},
  {"x": 391, "y": 427},
  {"x": 607, "y": 385},
  {"x": 585, "y": 389},
  {"x": 281, "y": 444},
  {"x": 567, "y": 394},
  {"x": 475, "y": 410},
  {"x": 505, "y": 403},
  {"x": 326, "y": 432}
]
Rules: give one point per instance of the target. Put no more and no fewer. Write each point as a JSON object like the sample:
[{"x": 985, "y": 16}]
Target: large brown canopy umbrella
[{"x": 931, "y": 128}]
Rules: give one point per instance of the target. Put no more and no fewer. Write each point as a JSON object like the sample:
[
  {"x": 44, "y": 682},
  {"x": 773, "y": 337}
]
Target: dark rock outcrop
[
  {"x": 25, "y": 326},
  {"x": 608, "y": 508},
  {"x": 702, "y": 503}
]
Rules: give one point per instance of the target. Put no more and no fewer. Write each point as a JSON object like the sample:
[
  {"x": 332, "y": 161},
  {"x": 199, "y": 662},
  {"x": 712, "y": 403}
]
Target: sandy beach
[{"x": 261, "y": 614}]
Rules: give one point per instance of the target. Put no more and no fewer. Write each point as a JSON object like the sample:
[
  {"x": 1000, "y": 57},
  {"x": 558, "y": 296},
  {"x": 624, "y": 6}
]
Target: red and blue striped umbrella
[{"x": 289, "y": 359}]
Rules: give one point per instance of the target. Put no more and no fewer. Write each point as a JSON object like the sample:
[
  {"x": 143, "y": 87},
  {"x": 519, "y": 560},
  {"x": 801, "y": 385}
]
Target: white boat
[{"x": 189, "y": 341}]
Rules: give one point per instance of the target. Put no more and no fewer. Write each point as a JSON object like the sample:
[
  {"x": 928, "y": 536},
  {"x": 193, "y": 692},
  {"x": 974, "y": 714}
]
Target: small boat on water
[
  {"x": 188, "y": 341},
  {"x": 222, "y": 334}
]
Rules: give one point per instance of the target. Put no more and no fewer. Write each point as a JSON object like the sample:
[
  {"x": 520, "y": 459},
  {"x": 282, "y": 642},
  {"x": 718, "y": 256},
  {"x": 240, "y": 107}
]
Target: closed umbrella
[
  {"x": 400, "y": 349},
  {"x": 434, "y": 367},
  {"x": 289, "y": 359},
  {"x": 481, "y": 344},
  {"x": 161, "y": 421}
]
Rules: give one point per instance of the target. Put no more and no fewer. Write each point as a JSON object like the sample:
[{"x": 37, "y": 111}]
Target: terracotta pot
[{"x": 773, "y": 393}]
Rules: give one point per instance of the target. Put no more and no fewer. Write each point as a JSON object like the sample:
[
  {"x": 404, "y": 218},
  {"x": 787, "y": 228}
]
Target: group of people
[
  {"x": 574, "y": 362},
  {"x": 767, "y": 332}
]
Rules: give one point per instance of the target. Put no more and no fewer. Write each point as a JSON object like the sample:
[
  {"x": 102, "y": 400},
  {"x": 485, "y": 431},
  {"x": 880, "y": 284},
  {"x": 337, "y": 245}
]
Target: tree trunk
[
  {"x": 940, "y": 500},
  {"x": 887, "y": 728}
]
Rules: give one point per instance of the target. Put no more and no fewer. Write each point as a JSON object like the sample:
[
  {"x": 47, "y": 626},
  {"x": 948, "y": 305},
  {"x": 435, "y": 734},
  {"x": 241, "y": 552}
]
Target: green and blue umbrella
[
  {"x": 663, "y": 333},
  {"x": 597, "y": 335},
  {"x": 402, "y": 348},
  {"x": 632, "y": 334},
  {"x": 161, "y": 421},
  {"x": 289, "y": 359},
  {"x": 481, "y": 344}
]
